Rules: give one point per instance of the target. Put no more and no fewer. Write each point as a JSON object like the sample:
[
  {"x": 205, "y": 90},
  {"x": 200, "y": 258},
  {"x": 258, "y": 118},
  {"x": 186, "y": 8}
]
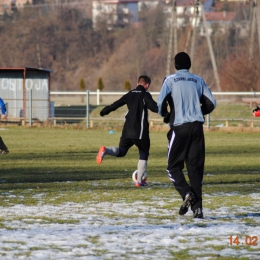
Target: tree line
[{"x": 63, "y": 39}]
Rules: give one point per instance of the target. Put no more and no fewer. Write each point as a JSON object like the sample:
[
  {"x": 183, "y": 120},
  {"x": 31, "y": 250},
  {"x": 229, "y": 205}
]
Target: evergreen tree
[
  {"x": 100, "y": 85},
  {"x": 127, "y": 85},
  {"x": 82, "y": 87}
]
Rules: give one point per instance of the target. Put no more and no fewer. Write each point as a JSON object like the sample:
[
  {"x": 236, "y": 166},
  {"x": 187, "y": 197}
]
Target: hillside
[{"x": 63, "y": 39}]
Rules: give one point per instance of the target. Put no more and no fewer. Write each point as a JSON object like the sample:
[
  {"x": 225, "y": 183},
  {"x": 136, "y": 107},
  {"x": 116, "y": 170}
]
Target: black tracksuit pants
[
  {"x": 2, "y": 144},
  {"x": 187, "y": 145}
]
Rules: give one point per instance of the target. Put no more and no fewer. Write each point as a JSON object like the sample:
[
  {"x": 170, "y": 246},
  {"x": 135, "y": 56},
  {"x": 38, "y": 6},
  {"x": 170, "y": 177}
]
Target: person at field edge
[
  {"x": 3, "y": 147},
  {"x": 136, "y": 126},
  {"x": 190, "y": 99}
]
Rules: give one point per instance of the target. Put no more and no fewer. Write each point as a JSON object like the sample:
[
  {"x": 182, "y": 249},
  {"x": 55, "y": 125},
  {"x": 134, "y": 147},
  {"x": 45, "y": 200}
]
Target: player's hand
[
  {"x": 104, "y": 111},
  {"x": 3, "y": 116}
]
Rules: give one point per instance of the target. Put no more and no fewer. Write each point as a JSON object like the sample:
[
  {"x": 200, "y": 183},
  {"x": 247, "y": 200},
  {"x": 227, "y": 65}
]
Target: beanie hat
[{"x": 182, "y": 61}]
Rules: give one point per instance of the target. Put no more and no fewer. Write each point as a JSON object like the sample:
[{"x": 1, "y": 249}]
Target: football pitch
[{"x": 57, "y": 203}]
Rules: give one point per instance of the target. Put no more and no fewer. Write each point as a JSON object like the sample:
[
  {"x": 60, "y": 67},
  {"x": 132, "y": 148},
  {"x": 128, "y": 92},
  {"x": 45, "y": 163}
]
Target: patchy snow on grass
[{"x": 127, "y": 231}]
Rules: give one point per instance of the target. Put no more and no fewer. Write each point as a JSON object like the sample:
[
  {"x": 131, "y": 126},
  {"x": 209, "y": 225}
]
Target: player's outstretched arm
[{"x": 119, "y": 103}]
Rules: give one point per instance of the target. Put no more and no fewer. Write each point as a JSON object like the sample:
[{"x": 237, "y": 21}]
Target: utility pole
[
  {"x": 173, "y": 29},
  {"x": 193, "y": 39},
  {"x": 258, "y": 20},
  {"x": 188, "y": 38},
  {"x": 253, "y": 27},
  {"x": 212, "y": 56}
]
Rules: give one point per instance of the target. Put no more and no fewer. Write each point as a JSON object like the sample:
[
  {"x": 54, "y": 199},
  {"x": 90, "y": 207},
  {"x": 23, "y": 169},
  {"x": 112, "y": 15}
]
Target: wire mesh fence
[{"x": 233, "y": 109}]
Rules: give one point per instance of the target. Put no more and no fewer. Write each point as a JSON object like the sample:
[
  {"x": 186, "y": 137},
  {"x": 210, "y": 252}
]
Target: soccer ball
[{"x": 134, "y": 176}]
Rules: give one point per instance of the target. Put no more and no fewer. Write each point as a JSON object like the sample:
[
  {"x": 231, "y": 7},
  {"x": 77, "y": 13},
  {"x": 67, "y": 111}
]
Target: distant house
[
  {"x": 209, "y": 5},
  {"x": 186, "y": 10},
  {"x": 115, "y": 12},
  {"x": 142, "y": 4},
  {"x": 224, "y": 20},
  {"x": 4, "y": 5},
  {"x": 9, "y": 5},
  {"x": 222, "y": 17}
]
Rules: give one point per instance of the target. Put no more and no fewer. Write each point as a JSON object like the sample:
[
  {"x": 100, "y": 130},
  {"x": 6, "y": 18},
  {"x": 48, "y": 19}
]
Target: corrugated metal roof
[
  {"x": 220, "y": 16},
  {"x": 116, "y": 1},
  {"x": 25, "y": 68}
]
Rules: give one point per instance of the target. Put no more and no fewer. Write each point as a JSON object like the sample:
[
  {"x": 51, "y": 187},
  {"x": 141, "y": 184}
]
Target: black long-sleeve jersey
[{"x": 138, "y": 102}]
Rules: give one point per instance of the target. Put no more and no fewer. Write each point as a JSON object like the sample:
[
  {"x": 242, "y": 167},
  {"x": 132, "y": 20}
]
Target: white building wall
[{"x": 109, "y": 10}]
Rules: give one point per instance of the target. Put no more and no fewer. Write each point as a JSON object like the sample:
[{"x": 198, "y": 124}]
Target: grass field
[{"x": 57, "y": 203}]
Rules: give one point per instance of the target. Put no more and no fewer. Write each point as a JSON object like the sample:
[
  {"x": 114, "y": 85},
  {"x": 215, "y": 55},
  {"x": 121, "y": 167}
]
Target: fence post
[
  {"x": 208, "y": 121},
  {"x": 226, "y": 123},
  {"x": 6, "y": 107},
  {"x": 87, "y": 109},
  {"x": 30, "y": 107},
  {"x": 97, "y": 97}
]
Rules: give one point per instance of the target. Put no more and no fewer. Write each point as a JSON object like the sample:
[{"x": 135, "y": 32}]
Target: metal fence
[
  {"x": 85, "y": 106},
  {"x": 67, "y": 107}
]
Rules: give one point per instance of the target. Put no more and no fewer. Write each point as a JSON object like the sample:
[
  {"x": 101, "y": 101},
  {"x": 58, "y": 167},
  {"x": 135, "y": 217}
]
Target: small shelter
[{"x": 26, "y": 92}]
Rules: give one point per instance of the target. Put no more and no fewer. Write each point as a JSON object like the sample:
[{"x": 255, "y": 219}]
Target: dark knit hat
[{"x": 182, "y": 61}]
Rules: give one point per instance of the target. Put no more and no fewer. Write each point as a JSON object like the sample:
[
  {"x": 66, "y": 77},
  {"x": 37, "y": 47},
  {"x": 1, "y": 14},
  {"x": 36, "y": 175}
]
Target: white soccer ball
[{"x": 134, "y": 176}]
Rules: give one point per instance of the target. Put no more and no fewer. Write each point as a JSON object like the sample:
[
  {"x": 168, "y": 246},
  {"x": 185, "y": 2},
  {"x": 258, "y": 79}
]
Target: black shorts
[{"x": 143, "y": 146}]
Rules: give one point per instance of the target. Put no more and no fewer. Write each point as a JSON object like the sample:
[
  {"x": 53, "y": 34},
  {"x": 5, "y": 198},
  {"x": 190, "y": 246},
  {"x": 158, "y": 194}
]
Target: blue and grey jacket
[
  {"x": 188, "y": 97},
  {"x": 2, "y": 105}
]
